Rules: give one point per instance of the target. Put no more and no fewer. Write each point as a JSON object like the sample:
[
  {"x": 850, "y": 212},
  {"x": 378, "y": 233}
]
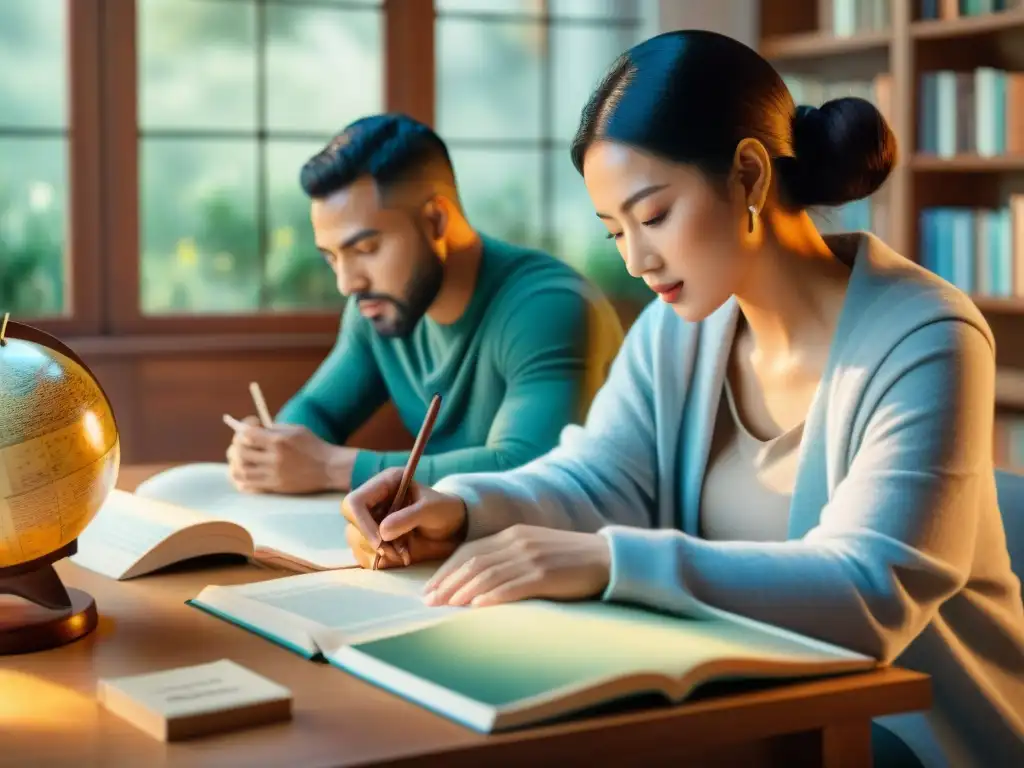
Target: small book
[
  {"x": 194, "y": 510},
  {"x": 507, "y": 666},
  {"x": 183, "y": 703}
]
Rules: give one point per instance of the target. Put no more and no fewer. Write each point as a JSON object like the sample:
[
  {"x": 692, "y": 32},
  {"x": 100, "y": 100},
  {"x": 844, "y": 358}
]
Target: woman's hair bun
[{"x": 844, "y": 151}]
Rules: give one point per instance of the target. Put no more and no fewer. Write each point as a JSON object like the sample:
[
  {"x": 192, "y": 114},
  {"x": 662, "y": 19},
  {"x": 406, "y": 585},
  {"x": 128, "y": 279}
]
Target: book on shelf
[
  {"x": 194, "y": 510},
  {"x": 186, "y": 702},
  {"x": 1009, "y": 442},
  {"x": 844, "y": 18},
  {"x": 507, "y": 666},
  {"x": 980, "y": 251},
  {"x": 978, "y": 112},
  {"x": 954, "y": 9}
]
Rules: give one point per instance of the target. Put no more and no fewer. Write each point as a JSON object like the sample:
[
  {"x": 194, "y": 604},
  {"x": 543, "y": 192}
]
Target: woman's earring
[{"x": 752, "y": 211}]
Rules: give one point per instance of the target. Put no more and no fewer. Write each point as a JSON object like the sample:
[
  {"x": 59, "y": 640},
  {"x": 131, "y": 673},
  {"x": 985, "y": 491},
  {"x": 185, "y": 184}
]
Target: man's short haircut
[{"x": 392, "y": 148}]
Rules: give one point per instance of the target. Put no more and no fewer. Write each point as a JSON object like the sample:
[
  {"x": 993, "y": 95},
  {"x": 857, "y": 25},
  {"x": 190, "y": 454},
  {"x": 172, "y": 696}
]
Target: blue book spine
[
  {"x": 993, "y": 255},
  {"x": 926, "y": 250},
  {"x": 983, "y": 283},
  {"x": 926, "y": 133},
  {"x": 944, "y": 244},
  {"x": 999, "y": 86},
  {"x": 944, "y": 115},
  {"x": 1004, "y": 247},
  {"x": 963, "y": 250}
]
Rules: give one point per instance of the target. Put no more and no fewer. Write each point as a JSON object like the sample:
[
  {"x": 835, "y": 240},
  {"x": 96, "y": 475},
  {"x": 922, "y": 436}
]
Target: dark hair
[
  {"x": 389, "y": 147},
  {"x": 691, "y": 96}
]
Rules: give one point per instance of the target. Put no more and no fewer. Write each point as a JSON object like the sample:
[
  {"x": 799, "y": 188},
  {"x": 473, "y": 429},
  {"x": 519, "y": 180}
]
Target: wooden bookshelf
[
  {"x": 967, "y": 164},
  {"x": 994, "y": 304},
  {"x": 798, "y": 36},
  {"x": 1001, "y": 22},
  {"x": 814, "y": 45},
  {"x": 1010, "y": 388}
]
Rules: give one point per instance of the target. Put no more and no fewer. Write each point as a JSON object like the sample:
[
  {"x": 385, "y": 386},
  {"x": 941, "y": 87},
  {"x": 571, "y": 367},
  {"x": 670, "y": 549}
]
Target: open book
[
  {"x": 194, "y": 510},
  {"x": 506, "y": 666}
]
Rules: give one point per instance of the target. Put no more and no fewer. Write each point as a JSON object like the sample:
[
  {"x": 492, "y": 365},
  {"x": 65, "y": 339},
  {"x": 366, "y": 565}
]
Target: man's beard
[{"x": 420, "y": 292}]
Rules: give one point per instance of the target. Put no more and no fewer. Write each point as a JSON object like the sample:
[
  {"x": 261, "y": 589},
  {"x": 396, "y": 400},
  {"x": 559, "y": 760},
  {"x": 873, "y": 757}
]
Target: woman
[{"x": 799, "y": 430}]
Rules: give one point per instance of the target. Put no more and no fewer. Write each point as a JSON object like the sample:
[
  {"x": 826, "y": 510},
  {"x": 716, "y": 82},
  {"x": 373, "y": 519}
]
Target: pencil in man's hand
[
  {"x": 261, "y": 405},
  {"x": 410, "y": 470}
]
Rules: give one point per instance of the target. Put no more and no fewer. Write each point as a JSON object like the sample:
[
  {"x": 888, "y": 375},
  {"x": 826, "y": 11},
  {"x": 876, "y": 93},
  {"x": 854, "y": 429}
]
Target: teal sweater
[
  {"x": 524, "y": 360},
  {"x": 896, "y": 545}
]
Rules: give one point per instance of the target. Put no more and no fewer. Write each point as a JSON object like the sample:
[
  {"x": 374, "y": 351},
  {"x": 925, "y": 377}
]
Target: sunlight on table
[{"x": 34, "y": 709}]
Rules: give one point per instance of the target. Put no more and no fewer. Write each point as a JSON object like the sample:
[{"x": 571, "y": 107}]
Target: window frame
[
  {"x": 103, "y": 244},
  {"x": 550, "y": 21},
  {"x": 83, "y": 237},
  {"x": 402, "y": 86}
]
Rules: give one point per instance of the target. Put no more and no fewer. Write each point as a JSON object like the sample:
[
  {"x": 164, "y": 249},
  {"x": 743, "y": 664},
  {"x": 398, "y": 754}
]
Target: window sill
[{"x": 93, "y": 347}]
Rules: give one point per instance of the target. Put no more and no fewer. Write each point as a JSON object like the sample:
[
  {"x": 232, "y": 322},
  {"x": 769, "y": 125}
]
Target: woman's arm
[
  {"x": 895, "y": 541},
  {"x": 603, "y": 472}
]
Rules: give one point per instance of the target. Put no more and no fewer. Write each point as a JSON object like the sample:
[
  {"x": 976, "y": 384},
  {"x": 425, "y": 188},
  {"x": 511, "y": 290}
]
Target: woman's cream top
[{"x": 749, "y": 482}]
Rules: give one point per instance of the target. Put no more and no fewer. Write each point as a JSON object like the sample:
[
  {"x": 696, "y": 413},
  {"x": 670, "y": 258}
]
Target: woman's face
[{"x": 672, "y": 228}]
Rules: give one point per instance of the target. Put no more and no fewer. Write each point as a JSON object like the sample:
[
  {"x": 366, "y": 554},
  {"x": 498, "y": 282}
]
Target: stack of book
[
  {"x": 979, "y": 112},
  {"x": 979, "y": 251}
]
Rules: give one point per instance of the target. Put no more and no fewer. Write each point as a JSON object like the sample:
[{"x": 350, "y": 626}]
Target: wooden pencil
[
  {"x": 261, "y": 405},
  {"x": 410, "y": 466}
]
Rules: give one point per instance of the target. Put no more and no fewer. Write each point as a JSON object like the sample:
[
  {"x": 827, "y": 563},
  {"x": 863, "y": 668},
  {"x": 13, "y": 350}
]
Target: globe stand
[{"x": 54, "y": 614}]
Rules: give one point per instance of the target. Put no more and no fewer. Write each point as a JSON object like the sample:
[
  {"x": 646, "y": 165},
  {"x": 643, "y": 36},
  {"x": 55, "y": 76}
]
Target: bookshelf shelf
[
  {"x": 812, "y": 45},
  {"x": 968, "y": 26},
  {"x": 1010, "y": 389},
  {"x": 995, "y": 304},
  {"x": 967, "y": 164}
]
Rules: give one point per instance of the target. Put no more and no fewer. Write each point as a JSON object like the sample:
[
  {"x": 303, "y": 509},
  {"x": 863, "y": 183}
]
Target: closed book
[{"x": 186, "y": 702}]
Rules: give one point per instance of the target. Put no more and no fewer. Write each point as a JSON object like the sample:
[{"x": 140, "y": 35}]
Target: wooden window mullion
[
  {"x": 120, "y": 172},
  {"x": 409, "y": 58}
]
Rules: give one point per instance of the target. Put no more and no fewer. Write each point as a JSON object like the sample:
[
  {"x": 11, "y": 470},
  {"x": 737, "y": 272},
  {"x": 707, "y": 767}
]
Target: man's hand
[{"x": 286, "y": 459}]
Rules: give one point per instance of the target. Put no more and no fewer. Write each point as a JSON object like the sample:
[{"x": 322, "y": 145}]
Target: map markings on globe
[{"x": 59, "y": 457}]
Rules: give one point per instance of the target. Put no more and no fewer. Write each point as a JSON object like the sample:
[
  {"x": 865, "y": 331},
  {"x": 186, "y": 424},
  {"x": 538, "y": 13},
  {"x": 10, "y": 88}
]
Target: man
[{"x": 516, "y": 342}]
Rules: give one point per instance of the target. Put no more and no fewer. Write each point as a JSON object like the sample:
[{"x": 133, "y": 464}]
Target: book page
[
  {"x": 332, "y": 607},
  {"x": 307, "y": 527},
  {"x": 510, "y": 655},
  {"x": 125, "y": 529}
]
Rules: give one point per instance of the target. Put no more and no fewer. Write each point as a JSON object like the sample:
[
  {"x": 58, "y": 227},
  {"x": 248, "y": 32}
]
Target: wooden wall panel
[
  {"x": 117, "y": 377},
  {"x": 169, "y": 406}
]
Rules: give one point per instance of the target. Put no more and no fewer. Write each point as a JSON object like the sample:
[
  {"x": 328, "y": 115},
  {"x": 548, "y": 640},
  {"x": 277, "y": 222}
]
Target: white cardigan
[{"x": 896, "y": 546}]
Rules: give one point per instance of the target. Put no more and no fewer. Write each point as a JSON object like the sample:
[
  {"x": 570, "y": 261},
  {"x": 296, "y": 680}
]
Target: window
[
  {"x": 512, "y": 77},
  {"x": 150, "y": 149},
  {"x": 233, "y": 96},
  {"x": 33, "y": 157}
]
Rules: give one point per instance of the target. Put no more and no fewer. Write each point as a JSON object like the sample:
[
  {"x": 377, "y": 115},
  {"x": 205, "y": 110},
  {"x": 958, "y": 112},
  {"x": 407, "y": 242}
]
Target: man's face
[{"x": 381, "y": 256}]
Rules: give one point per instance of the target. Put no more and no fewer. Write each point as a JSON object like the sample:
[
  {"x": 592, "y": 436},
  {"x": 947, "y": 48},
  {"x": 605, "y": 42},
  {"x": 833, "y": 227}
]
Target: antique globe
[{"x": 59, "y": 457}]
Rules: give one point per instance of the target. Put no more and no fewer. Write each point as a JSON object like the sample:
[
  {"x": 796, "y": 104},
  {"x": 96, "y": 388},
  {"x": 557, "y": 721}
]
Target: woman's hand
[
  {"x": 523, "y": 562},
  {"x": 428, "y": 527}
]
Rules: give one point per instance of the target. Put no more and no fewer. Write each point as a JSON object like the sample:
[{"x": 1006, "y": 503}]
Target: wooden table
[{"x": 48, "y": 714}]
